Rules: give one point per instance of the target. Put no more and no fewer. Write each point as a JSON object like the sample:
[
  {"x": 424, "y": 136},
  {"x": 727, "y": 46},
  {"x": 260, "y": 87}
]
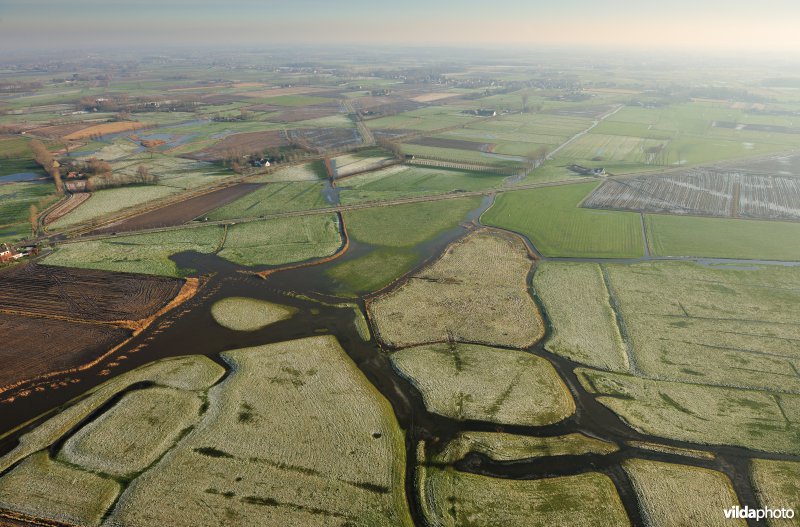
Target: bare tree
[
  {"x": 33, "y": 217},
  {"x": 56, "y": 173}
]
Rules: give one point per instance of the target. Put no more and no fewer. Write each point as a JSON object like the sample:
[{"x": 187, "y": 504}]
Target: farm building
[{"x": 7, "y": 254}]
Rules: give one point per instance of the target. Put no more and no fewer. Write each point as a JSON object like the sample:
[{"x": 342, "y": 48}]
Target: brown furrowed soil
[
  {"x": 81, "y": 294},
  {"x": 35, "y": 346},
  {"x": 245, "y": 143},
  {"x": 182, "y": 212},
  {"x": 60, "y": 320},
  {"x": 305, "y": 113},
  {"x": 61, "y": 130}
]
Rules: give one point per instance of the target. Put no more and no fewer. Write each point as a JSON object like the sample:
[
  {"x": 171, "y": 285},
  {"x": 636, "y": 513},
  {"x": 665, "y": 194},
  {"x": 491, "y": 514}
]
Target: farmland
[
  {"x": 709, "y": 415},
  {"x": 469, "y": 382},
  {"x": 114, "y": 444},
  {"x": 272, "y": 198},
  {"x": 281, "y": 241},
  {"x": 80, "y": 314},
  {"x": 181, "y": 213},
  {"x": 722, "y": 238},
  {"x": 476, "y": 292},
  {"x": 410, "y": 180},
  {"x": 556, "y": 226},
  {"x": 731, "y": 326},
  {"x": 374, "y": 250},
  {"x": 675, "y": 495},
  {"x": 109, "y": 201},
  {"x": 703, "y": 192},
  {"x": 139, "y": 253}
]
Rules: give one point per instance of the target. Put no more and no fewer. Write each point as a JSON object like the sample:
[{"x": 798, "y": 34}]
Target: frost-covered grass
[
  {"x": 138, "y": 253},
  {"x": 456, "y": 499},
  {"x": 584, "y": 325},
  {"x": 679, "y": 495},
  {"x": 248, "y": 314},
  {"x": 295, "y": 435},
  {"x": 701, "y": 414},
  {"x": 778, "y": 486},
  {"x": 469, "y": 382},
  {"x": 713, "y": 325},
  {"x": 191, "y": 373},
  {"x": 51, "y": 490},
  {"x": 509, "y": 447},
  {"x": 106, "y": 202},
  {"x": 134, "y": 433},
  {"x": 476, "y": 292}
]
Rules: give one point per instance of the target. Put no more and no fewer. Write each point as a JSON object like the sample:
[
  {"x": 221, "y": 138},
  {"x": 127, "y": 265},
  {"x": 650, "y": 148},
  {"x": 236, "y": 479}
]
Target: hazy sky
[{"x": 638, "y": 24}]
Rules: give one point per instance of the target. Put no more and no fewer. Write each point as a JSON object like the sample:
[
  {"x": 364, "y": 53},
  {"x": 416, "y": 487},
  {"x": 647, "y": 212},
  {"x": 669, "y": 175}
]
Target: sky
[{"x": 691, "y": 25}]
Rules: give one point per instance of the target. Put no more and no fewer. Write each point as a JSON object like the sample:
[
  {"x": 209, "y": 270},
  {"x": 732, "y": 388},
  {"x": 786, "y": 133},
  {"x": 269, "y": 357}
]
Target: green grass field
[
  {"x": 394, "y": 232},
  {"x": 722, "y": 237},
  {"x": 282, "y": 240},
  {"x": 552, "y": 220},
  {"x": 401, "y": 181},
  {"x": 272, "y": 198},
  {"x": 15, "y": 205},
  {"x": 142, "y": 253}
]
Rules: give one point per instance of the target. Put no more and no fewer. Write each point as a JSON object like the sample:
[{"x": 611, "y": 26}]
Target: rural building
[
  {"x": 76, "y": 185},
  {"x": 586, "y": 171},
  {"x": 7, "y": 254}
]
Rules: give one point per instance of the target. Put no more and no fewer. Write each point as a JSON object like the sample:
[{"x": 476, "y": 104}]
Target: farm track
[{"x": 584, "y": 132}]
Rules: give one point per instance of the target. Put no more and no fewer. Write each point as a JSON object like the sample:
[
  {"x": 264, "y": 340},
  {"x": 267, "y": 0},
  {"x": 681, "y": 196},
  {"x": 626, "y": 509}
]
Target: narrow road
[
  {"x": 584, "y": 132},
  {"x": 366, "y": 134}
]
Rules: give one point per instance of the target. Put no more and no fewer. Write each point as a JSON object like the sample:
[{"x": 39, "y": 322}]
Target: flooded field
[{"x": 316, "y": 309}]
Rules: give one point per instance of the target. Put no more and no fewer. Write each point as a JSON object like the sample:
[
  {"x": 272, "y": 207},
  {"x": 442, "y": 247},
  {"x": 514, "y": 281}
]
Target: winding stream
[{"x": 190, "y": 329}]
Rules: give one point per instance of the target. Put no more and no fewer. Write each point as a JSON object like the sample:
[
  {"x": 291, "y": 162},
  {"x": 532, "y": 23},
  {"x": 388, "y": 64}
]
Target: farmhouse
[
  {"x": 600, "y": 171},
  {"x": 7, "y": 254}
]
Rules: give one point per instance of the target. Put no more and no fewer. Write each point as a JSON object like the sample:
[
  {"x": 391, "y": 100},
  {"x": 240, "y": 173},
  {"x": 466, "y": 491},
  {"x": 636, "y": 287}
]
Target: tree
[
  {"x": 525, "y": 98},
  {"x": 42, "y": 155},
  {"x": 56, "y": 173},
  {"x": 34, "y": 219}
]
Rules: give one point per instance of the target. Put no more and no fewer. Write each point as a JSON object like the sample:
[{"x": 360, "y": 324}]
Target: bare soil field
[
  {"x": 61, "y": 130},
  {"x": 35, "y": 346},
  {"x": 305, "y": 113},
  {"x": 81, "y": 294},
  {"x": 328, "y": 138},
  {"x": 457, "y": 144},
  {"x": 183, "y": 212},
  {"x": 246, "y": 142},
  {"x": 104, "y": 129},
  {"x": 707, "y": 192}
]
